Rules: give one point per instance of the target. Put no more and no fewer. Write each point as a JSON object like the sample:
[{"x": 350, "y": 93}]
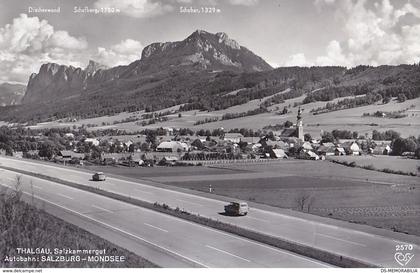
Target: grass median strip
[{"x": 308, "y": 251}]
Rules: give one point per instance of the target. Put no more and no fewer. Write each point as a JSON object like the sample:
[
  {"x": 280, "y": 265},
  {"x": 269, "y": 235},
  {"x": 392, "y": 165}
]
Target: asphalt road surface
[
  {"x": 165, "y": 240},
  {"x": 368, "y": 247}
]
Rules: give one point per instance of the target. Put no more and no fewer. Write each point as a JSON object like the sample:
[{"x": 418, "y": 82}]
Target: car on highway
[
  {"x": 237, "y": 208},
  {"x": 99, "y": 176}
]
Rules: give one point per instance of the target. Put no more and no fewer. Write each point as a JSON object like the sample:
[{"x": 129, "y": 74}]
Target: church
[{"x": 296, "y": 131}]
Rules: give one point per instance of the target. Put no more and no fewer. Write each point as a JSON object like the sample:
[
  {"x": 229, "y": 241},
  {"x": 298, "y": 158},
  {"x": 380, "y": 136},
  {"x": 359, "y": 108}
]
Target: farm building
[{"x": 172, "y": 147}]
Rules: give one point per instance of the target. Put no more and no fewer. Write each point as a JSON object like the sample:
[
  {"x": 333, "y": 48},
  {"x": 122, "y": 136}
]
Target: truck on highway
[
  {"x": 99, "y": 176},
  {"x": 237, "y": 208}
]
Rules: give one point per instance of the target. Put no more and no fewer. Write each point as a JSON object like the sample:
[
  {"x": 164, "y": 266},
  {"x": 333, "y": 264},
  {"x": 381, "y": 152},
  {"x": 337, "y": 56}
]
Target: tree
[
  {"x": 386, "y": 99},
  {"x": 401, "y": 145},
  {"x": 327, "y": 137},
  {"x": 304, "y": 200},
  {"x": 418, "y": 152},
  {"x": 288, "y": 124},
  {"x": 132, "y": 148},
  {"x": 402, "y": 97},
  {"x": 307, "y": 137},
  {"x": 46, "y": 150}
]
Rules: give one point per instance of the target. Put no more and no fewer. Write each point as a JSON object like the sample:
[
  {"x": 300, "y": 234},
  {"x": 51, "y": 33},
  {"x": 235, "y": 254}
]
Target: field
[
  {"x": 379, "y": 162},
  {"x": 351, "y": 119},
  {"x": 373, "y": 198}
]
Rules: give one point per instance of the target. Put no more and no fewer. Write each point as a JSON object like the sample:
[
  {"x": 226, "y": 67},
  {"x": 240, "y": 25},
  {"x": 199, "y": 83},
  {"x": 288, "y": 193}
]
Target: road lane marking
[
  {"x": 258, "y": 219},
  {"x": 146, "y": 192},
  {"x": 268, "y": 247},
  {"x": 101, "y": 208},
  {"x": 228, "y": 253},
  {"x": 37, "y": 187},
  {"x": 339, "y": 239},
  {"x": 65, "y": 196},
  {"x": 152, "y": 226},
  {"x": 112, "y": 227},
  {"x": 192, "y": 203}
]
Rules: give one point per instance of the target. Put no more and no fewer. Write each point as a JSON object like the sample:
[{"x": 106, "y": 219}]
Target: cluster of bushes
[
  {"x": 244, "y": 114},
  {"x": 381, "y": 114},
  {"x": 206, "y": 120},
  {"x": 370, "y": 167}
]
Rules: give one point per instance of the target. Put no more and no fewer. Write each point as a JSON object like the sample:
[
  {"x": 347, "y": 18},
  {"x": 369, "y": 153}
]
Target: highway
[
  {"x": 164, "y": 240},
  {"x": 368, "y": 247}
]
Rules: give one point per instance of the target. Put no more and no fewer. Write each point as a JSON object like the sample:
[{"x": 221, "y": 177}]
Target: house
[
  {"x": 169, "y": 131},
  {"x": 380, "y": 150},
  {"x": 69, "y": 135},
  {"x": 250, "y": 140},
  {"x": 32, "y": 153},
  {"x": 93, "y": 141},
  {"x": 326, "y": 150},
  {"x": 128, "y": 143},
  {"x": 305, "y": 154},
  {"x": 307, "y": 146},
  {"x": 168, "y": 160},
  {"x": 18, "y": 154},
  {"x": 113, "y": 158},
  {"x": 328, "y": 144},
  {"x": 69, "y": 155},
  {"x": 233, "y": 137},
  {"x": 135, "y": 159},
  {"x": 351, "y": 148},
  {"x": 339, "y": 151},
  {"x": 197, "y": 144},
  {"x": 172, "y": 147},
  {"x": 278, "y": 153},
  {"x": 256, "y": 147}
]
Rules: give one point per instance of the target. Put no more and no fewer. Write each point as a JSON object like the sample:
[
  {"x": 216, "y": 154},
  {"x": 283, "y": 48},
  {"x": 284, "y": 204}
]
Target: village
[{"x": 183, "y": 147}]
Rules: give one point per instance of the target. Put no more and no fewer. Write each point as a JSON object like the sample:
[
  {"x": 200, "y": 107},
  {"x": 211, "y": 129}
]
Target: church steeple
[{"x": 299, "y": 125}]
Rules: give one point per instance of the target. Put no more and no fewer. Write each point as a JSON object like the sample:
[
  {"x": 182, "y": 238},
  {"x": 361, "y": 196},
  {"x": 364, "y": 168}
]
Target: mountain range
[
  {"x": 201, "y": 51},
  {"x": 11, "y": 94},
  {"x": 199, "y": 73}
]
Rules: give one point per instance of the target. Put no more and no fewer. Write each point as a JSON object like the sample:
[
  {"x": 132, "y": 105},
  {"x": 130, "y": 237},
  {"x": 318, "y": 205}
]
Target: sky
[{"x": 282, "y": 32}]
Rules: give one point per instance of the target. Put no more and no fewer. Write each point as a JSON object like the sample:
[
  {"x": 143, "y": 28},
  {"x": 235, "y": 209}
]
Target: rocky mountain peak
[
  {"x": 93, "y": 66},
  {"x": 202, "y": 50}
]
